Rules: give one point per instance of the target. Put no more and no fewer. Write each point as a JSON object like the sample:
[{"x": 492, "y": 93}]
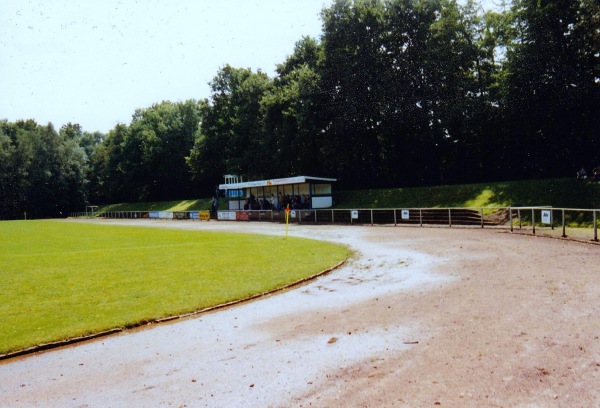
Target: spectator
[
  {"x": 581, "y": 174},
  {"x": 281, "y": 205},
  {"x": 215, "y": 205},
  {"x": 305, "y": 201}
]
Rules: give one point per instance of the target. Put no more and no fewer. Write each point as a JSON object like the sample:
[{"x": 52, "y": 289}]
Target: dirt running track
[{"x": 420, "y": 317}]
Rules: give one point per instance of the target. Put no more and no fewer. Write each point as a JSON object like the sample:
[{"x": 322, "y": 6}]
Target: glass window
[
  {"x": 302, "y": 189},
  {"x": 321, "y": 189}
]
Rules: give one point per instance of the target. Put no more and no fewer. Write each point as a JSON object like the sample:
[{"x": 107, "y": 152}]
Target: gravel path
[{"x": 419, "y": 317}]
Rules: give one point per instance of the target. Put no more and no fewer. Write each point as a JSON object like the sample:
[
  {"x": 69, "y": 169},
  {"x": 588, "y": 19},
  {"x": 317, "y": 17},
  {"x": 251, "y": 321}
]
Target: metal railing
[{"x": 533, "y": 219}]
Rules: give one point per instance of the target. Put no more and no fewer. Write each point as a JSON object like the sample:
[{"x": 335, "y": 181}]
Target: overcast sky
[{"x": 94, "y": 63}]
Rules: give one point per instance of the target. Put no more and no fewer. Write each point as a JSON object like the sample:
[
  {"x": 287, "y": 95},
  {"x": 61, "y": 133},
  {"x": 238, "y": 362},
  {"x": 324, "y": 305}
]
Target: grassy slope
[
  {"x": 566, "y": 193},
  {"x": 61, "y": 280},
  {"x": 185, "y": 205}
]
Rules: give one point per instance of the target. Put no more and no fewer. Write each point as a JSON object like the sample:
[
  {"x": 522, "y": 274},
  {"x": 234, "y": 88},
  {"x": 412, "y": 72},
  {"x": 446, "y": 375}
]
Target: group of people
[
  {"x": 277, "y": 203},
  {"x": 582, "y": 174}
]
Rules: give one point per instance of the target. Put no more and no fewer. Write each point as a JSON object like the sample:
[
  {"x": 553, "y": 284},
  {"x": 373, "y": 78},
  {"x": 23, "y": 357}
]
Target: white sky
[{"x": 95, "y": 62}]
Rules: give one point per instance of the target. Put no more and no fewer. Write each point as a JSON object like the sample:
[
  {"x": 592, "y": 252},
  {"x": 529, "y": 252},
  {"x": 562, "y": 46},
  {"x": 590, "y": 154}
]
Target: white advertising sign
[
  {"x": 226, "y": 215},
  {"x": 546, "y": 216},
  {"x": 405, "y": 214},
  {"x": 354, "y": 214}
]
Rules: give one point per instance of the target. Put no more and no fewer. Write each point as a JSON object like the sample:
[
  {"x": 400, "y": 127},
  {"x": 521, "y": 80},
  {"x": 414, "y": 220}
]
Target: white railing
[{"x": 524, "y": 219}]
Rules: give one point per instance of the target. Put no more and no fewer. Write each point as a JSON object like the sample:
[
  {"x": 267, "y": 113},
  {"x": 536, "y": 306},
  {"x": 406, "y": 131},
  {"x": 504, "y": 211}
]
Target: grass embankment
[
  {"x": 202, "y": 204},
  {"x": 62, "y": 280},
  {"x": 560, "y": 193},
  {"x": 557, "y": 193}
]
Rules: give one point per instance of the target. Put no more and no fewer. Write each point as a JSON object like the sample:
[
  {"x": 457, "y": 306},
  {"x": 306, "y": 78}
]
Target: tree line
[{"x": 393, "y": 93}]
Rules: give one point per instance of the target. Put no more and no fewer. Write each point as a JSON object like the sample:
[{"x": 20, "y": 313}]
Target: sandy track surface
[{"x": 419, "y": 317}]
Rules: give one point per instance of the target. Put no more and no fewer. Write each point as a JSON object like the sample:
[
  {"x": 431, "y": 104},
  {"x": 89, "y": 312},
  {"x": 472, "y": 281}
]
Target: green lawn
[{"x": 60, "y": 280}]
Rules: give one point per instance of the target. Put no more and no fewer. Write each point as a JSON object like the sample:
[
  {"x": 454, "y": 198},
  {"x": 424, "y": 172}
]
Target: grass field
[{"x": 60, "y": 280}]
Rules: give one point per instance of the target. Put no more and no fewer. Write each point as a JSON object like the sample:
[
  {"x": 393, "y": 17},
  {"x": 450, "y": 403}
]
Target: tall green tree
[
  {"x": 291, "y": 117},
  {"x": 458, "y": 94},
  {"x": 402, "y": 80},
  {"x": 108, "y": 177},
  {"x": 552, "y": 85},
  {"x": 56, "y": 174},
  {"x": 352, "y": 80},
  {"x": 10, "y": 177},
  {"x": 231, "y": 129},
  {"x": 147, "y": 159},
  {"x": 42, "y": 171},
  {"x": 164, "y": 134}
]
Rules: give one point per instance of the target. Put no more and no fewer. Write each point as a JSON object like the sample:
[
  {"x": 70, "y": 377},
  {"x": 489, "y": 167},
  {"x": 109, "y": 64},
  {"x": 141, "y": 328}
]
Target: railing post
[
  {"x": 481, "y": 217},
  {"x": 510, "y": 217},
  {"x": 533, "y": 220},
  {"x": 595, "y": 226},
  {"x": 371, "y": 217},
  {"x": 563, "y": 224},
  {"x": 315, "y": 216},
  {"x": 449, "y": 217},
  {"x": 395, "y": 223},
  {"x": 421, "y": 217},
  {"x": 332, "y": 220}
]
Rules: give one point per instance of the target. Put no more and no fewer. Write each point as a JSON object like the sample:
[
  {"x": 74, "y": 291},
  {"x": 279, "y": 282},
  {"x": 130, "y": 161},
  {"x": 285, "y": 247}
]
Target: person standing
[{"x": 215, "y": 205}]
